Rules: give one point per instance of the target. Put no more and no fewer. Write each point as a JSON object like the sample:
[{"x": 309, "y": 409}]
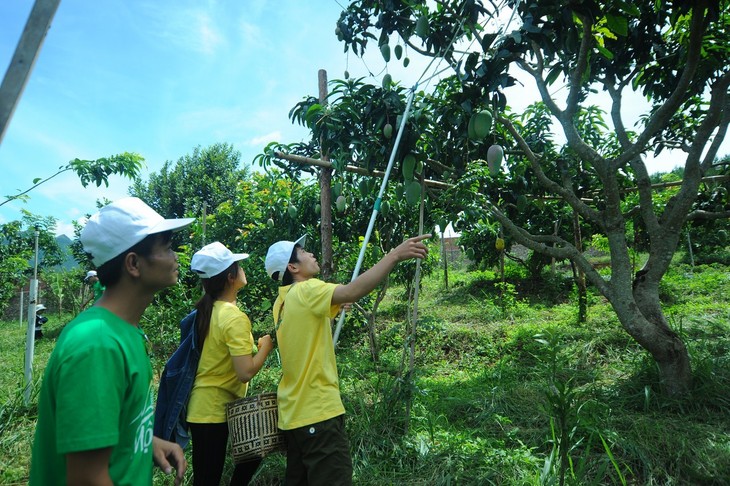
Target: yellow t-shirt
[
  {"x": 216, "y": 382},
  {"x": 309, "y": 390}
]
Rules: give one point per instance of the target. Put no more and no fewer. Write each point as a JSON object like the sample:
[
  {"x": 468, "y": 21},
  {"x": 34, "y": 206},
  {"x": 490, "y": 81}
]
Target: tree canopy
[{"x": 674, "y": 53}]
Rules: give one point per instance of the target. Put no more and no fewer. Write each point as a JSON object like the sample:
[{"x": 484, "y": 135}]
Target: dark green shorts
[{"x": 319, "y": 454}]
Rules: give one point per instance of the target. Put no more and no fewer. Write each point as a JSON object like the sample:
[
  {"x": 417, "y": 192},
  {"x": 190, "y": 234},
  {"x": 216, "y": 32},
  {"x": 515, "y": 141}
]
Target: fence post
[
  {"x": 20, "y": 309},
  {"x": 30, "y": 334}
]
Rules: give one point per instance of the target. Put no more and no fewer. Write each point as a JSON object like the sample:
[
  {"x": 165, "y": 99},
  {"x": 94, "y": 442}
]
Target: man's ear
[
  {"x": 293, "y": 268},
  {"x": 131, "y": 264}
]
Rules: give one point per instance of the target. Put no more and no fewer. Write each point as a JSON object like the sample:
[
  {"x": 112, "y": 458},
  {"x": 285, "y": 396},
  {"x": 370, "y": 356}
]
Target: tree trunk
[{"x": 644, "y": 320}]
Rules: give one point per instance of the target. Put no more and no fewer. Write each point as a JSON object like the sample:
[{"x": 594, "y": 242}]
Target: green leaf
[
  {"x": 618, "y": 25},
  {"x": 553, "y": 74},
  {"x": 605, "y": 52}
]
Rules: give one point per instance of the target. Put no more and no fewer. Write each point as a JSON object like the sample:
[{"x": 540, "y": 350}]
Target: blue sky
[{"x": 160, "y": 77}]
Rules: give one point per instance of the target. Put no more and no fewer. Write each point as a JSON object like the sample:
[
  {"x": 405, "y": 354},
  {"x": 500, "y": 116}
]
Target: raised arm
[{"x": 367, "y": 281}]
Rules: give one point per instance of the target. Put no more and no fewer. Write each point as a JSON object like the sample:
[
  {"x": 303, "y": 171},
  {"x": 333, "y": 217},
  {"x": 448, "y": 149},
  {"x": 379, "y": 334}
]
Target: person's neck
[
  {"x": 127, "y": 303},
  {"x": 298, "y": 277},
  {"x": 229, "y": 294}
]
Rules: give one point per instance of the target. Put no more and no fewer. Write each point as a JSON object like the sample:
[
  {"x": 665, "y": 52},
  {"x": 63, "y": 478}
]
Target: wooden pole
[
  {"x": 445, "y": 185},
  {"x": 350, "y": 168},
  {"x": 26, "y": 53},
  {"x": 325, "y": 195}
]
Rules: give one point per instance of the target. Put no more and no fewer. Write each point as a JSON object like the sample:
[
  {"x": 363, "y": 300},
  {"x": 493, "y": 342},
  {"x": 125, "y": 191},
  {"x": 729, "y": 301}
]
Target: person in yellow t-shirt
[
  {"x": 227, "y": 362},
  {"x": 311, "y": 413}
]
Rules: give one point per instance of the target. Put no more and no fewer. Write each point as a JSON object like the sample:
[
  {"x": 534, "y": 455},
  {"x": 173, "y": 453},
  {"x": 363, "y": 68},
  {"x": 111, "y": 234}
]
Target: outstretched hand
[
  {"x": 412, "y": 248},
  {"x": 169, "y": 455}
]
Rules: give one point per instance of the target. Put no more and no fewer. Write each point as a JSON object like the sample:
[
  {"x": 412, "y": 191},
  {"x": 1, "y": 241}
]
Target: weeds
[{"x": 524, "y": 397}]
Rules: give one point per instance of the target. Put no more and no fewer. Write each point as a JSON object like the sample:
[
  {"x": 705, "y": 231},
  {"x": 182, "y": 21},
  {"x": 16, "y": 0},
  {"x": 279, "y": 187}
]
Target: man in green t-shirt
[
  {"x": 97, "y": 289},
  {"x": 311, "y": 413},
  {"x": 96, "y": 408}
]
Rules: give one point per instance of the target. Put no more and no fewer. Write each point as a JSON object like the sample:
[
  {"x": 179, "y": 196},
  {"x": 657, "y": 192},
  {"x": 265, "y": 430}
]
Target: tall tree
[
  {"x": 208, "y": 176},
  {"x": 17, "y": 245},
  {"x": 675, "y": 53}
]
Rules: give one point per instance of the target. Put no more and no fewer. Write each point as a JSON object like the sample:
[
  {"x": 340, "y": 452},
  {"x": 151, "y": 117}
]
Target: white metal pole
[
  {"x": 20, "y": 314},
  {"x": 30, "y": 334},
  {"x": 376, "y": 207}
]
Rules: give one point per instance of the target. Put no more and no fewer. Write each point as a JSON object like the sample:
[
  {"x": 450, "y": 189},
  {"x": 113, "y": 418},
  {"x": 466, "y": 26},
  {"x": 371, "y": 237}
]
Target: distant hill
[{"x": 64, "y": 242}]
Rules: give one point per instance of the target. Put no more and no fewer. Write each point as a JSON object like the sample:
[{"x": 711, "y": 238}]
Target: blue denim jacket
[{"x": 176, "y": 384}]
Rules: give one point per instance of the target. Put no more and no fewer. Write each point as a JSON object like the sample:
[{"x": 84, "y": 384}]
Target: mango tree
[
  {"x": 356, "y": 128},
  {"x": 675, "y": 54}
]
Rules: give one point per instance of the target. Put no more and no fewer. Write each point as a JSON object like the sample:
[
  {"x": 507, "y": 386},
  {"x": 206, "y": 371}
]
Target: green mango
[
  {"x": 270, "y": 223},
  {"x": 340, "y": 203},
  {"x": 406, "y": 62},
  {"x": 387, "y": 81},
  {"x": 398, "y": 51},
  {"x": 408, "y": 166},
  {"x": 385, "y": 208},
  {"x": 337, "y": 189},
  {"x": 413, "y": 193},
  {"x": 364, "y": 189},
  {"x": 385, "y": 51},
  {"x": 422, "y": 26},
  {"x": 347, "y": 75},
  {"x": 470, "y": 129},
  {"x": 292, "y": 210},
  {"x": 317, "y": 208},
  {"x": 388, "y": 130},
  {"x": 399, "y": 189},
  {"x": 495, "y": 154},
  {"x": 482, "y": 124}
]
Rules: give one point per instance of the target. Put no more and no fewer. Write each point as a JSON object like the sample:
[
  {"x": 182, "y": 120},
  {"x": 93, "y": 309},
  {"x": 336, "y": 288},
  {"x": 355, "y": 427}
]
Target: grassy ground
[{"x": 506, "y": 389}]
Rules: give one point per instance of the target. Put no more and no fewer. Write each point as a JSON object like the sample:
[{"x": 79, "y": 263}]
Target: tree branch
[
  {"x": 670, "y": 106},
  {"x": 707, "y": 215},
  {"x": 576, "y": 76},
  {"x": 568, "y": 195},
  {"x": 543, "y": 244},
  {"x": 20, "y": 194}
]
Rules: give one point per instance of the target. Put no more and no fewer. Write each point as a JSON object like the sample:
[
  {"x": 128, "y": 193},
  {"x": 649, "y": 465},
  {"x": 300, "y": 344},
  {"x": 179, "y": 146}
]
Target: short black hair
[{"x": 110, "y": 272}]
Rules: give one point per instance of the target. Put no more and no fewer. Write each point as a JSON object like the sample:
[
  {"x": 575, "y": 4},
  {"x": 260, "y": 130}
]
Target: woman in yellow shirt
[{"x": 227, "y": 362}]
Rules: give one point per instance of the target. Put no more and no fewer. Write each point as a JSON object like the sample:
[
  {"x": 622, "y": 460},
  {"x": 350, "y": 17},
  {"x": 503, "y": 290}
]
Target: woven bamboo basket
[{"x": 253, "y": 427}]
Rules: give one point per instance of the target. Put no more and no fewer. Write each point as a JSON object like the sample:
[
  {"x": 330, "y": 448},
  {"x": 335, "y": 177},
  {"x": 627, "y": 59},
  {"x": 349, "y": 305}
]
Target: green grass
[{"x": 504, "y": 382}]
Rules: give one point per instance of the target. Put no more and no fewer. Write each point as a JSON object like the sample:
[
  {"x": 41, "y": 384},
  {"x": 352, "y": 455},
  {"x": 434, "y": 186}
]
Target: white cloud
[
  {"x": 209, "y": 37},
  {"x": 191, "y": 28},
  {"x": 265, "y": 139}
]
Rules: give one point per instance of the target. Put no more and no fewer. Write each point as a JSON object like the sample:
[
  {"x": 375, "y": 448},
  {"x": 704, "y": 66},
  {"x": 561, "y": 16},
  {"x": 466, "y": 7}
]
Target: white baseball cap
[
  {"x": 213, "y": 259},
  {"x": 89, "y": 274},
  {"x": 40, "y": 307},
  {"x": 279, "y": 254},
  {"x": 119, "y": 226}
]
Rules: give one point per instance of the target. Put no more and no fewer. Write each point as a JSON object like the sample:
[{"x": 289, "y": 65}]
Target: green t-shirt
[
  {"x": 96, "y": 393},
  {"x": 98, "y": 290}
]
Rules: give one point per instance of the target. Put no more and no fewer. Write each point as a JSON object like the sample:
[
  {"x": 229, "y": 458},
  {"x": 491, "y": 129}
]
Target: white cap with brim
[
  {"x": 119, "y": 226},
  {"x": 279, "y": 254},
  {"x": 89, "y": 274},
  {"x": 213, "y": 259}
]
